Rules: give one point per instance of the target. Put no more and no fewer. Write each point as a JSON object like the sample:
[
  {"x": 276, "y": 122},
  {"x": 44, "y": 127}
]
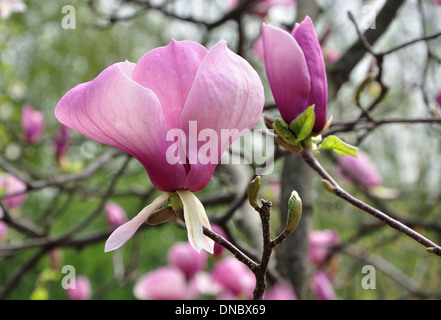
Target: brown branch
[
  {"x": 309, "y": 158},
  {"x": 232, "y": 248},
  {"x": 261, "y": 270},
  {"x": 340, "y": 71}
]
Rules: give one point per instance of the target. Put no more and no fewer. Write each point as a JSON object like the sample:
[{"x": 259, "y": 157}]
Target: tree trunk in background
[
  {"x": 296, "y": 175},
  {"x": 294, "y": 251}
]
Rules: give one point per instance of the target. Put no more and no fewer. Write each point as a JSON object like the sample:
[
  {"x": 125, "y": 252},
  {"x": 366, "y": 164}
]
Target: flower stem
[
  {"x": 261, "y": 270},
  {"x": 232, "y": 248}
]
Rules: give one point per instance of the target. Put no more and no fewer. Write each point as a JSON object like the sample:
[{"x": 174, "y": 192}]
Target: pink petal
[
  {"x": 305, "y": 35},
  {"x": 169, "y": 72},
  {"x": 287, "y": 72},
  {"x": 227, "y": 94},
  {"x": 123, "y": 233},
  {"x": 115, "y": 110}
]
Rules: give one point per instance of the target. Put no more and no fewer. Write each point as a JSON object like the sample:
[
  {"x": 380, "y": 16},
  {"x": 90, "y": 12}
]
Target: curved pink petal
[
  {"x": 287, "y": 72},
  {"x": 305, "y": 35},
  {"x": 226, "y": 99},
  {"x": 123, "y": 233},
  {"x": 169, "y": 71},
  {"x": 115, "y": 110}
]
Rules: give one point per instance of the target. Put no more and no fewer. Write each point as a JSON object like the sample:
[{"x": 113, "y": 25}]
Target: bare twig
[{"x": 309, "y": 158}]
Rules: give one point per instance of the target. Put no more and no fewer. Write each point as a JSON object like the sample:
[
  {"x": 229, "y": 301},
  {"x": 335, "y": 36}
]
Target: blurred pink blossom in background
[
  {"x": 322, "y": 287},
  {"x": 13, "y": 190},
  {"x": 8, "y": 7},
  {"x": 321, "y": 241},
  {"x": 82, "y": 290},
  {"x": 32, "y": 124},
  {"x": 280, "y": 291},
  {"x": 360, "y": 170},
  {"x": 330, "y": 54},
  {"x": 164, "y": 283},
  {"x": 183, "y": 256},
  {"x": 234, "y": 277},
  {"x": 115, "y": 214}
]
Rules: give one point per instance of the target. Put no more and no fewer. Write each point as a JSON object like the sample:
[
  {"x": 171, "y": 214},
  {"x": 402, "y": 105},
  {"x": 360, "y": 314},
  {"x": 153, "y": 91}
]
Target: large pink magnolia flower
[
  {"x": 296, "y": 71},
  {"x": 162, "y": 110}
]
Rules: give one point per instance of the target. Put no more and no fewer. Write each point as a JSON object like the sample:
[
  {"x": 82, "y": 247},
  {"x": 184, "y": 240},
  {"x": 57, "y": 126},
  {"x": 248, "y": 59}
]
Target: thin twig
[{"x": 309, "y": 158}]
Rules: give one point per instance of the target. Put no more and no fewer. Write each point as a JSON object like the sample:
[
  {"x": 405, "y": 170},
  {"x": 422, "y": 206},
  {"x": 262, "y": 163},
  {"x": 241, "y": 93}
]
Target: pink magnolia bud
[
  {"x": 234, "y": 277},
  {"x": 281, "y": 291},
  {"x": 320, "y": 243},
  {"x": 115, "y": 214},
  {"x": 32, "y": 124},
  {"x": 296, "y": 71},
  {"x": 164, "y": 283},
  {"x": 13, "y": 190},
  {"x": 187, "y": 259},
  {"x": 322, "y": 287},
  {"x": 360, "y": 170},
  {"x": 82, "y": 289},
  {"x": 438, "y": 2}
]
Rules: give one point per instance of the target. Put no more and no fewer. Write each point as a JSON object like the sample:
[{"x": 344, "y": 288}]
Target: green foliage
[
  {"x": 342, "y": 148},
  {"x": 303, "y": 124}
]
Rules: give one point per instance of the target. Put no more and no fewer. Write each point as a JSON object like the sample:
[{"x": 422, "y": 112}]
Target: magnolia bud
[
  {"x": 328, "y": 186},
  {"x": 294, "y": 212},
  {"x": 253, "y": 192}
]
